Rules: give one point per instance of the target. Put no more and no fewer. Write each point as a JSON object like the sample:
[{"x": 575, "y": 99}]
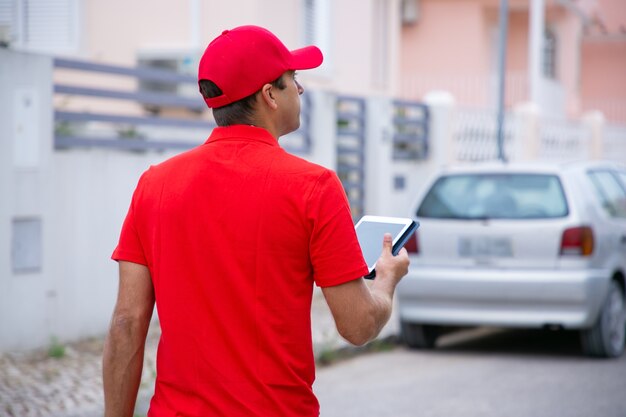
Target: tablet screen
[
  {"x": 370, "y": 235},
  {"x": 370, "y": 231}
]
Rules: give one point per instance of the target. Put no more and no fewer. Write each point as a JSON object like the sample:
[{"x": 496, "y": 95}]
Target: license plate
[{"x": 485, "y": 246}]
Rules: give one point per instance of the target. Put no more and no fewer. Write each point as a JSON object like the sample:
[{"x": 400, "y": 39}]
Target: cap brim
[{"x": 306, "y": 58}]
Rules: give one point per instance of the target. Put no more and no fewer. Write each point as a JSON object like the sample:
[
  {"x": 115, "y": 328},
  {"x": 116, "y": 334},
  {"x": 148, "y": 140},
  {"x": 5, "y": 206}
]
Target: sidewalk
[{"x": 34, "y": 384}]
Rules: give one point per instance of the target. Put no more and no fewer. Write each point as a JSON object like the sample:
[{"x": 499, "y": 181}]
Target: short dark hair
[{"x": 237, "y": 113}]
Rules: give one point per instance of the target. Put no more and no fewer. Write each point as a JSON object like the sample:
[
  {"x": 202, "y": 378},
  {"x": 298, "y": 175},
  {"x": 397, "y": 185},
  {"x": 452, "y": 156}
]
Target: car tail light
[
  {"x": 577, "y": 241},
  {"x": 412, "y": 245}
]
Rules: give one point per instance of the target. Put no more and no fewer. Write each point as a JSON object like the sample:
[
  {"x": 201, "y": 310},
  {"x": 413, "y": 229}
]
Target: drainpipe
[
  {"x": 504, "y": 25},
  {"x": 535, "y": 50},
  {"x": 194, "y": 25}
]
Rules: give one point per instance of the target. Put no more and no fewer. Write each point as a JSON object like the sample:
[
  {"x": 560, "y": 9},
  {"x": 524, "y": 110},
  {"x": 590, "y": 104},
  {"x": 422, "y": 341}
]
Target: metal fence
[
  {"x": 168, "y": 118},
  {"x": 350, "y": 113},
  {"x": 558, "y": 140},
  {"x": 411, "y": 129},
  {"x": 475, "y": 135},
  {"x": 151, "y": 126},
  {"x": 563, "y": 140},
  {"x": 87, "y": 129}
]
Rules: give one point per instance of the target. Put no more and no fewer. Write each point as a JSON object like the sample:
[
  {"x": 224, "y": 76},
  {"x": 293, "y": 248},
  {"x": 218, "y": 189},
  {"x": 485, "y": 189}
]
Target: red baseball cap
[{"x": 240, "y": 61}]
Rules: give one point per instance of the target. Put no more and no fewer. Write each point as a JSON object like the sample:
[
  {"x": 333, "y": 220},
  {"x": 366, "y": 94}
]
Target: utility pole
[
  {"x": 504, "y": 27},
  {"x": 535, "y": 50}
]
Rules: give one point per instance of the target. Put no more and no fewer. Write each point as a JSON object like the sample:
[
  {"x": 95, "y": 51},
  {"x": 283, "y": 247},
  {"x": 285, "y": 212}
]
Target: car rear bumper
[{"x": 533, "y": 298}]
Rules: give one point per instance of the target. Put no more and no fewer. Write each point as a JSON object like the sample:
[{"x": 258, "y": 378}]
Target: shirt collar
[{"x": 245, "y": 132}]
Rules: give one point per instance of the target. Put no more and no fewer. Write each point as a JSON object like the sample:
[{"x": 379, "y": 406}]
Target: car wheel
[
  {"x": 419, "y": 336},
  {"x": 606, "y": 337}
]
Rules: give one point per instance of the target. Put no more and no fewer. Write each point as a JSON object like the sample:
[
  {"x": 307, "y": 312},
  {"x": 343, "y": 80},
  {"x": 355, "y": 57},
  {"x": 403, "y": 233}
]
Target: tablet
[{"x": 370, "y": 231}]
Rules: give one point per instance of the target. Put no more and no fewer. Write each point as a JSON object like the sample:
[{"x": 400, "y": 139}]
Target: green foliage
[
  {"x": 342, "y": 123},
  {"x": 129, "y": 132},
  {"x": 330, "y": 356},
  {"x": 64, "y": 129},
  {"x": 56, "y": 350}
]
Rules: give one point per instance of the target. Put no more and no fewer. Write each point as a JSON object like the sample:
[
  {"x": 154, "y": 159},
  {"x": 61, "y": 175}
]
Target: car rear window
[{"x": 499, "y": 196}]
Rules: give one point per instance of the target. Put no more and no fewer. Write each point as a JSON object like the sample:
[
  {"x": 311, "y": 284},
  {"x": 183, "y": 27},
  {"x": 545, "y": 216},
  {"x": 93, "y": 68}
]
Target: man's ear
[{"x": 267, "y": 96}]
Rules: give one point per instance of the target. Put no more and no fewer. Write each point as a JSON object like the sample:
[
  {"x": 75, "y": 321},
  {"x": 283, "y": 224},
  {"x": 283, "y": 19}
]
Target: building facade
[{"x": 566, "y": 56}]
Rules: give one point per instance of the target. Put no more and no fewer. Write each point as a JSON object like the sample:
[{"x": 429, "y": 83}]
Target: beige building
[{"x": 358, "y": 38}]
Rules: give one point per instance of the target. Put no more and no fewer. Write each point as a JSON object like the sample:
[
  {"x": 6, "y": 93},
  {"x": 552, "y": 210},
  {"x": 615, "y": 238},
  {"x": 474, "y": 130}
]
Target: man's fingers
[{"x": 387, "y": 243}]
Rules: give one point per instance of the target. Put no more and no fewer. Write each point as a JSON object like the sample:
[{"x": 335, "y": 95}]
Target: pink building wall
[
  {"x": 603, "y": 61},
  {"x": 603, "y": 85},
  {"x": 447, "y": 48},
  {"x": 426, "y": 49},
  {"x": 569, "y": 28},
  {"x": 453, "y": 47},
  {"x": 516, "y": 58}
]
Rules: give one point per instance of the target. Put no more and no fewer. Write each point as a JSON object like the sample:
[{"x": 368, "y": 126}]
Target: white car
[{"x": 520, "y": 246}]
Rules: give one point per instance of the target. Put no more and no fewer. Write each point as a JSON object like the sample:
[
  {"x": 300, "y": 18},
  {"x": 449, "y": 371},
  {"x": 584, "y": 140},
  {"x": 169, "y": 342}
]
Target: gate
[{"x": 351, "y": 151}]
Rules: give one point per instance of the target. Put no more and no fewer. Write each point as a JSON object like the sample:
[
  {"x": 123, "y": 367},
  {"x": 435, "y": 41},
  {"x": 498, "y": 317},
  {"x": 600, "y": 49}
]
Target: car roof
[{"x": 540, "y": 167}]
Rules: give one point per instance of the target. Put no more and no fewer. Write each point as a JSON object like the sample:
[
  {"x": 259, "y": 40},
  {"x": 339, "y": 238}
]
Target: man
[{"x": 229, "y": 239}]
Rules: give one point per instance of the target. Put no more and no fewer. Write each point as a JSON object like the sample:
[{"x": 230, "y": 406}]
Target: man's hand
[
  {"x": 360, "y": 312},
  {"x": 389, "y": 268}
]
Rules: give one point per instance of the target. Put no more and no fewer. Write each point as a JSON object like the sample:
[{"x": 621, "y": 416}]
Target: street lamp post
[{"x": 504, "y": 23}]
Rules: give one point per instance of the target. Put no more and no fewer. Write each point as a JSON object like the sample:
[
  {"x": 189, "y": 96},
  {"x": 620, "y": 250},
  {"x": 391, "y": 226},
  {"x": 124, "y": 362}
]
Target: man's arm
[
  {"x": 360, "y": 311},
  {"x": 122, "y": 358}
]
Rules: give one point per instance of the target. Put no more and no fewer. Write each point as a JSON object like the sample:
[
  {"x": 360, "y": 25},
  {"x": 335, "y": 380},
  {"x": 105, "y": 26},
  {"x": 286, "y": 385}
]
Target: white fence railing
[
  {"x": 563, "y": 140},
  {"x": 529, "y": 136},
  {"x": 614, "y": 144},
  {"x": 475, "y": 136}
]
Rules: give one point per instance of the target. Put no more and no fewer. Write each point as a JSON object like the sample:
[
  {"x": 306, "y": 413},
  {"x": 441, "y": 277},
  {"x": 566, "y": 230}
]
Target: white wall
[
  {"x": 80, "y": 196},
  {"x": 24, "y": 161},
  {"x": 322, "y": 130},
  {"x": 382, "y": 198}
]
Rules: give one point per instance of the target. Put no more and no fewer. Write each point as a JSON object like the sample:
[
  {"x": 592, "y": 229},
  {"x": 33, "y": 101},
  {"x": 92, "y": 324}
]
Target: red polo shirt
[{"x": 235, "y": 232}]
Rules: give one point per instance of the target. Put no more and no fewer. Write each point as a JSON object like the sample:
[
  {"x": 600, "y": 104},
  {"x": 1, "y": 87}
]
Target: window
[
  {"x": 622, "y": 176},
  {"x": 40, "y": 25},
  {"x": 610, "y": 192},
  {"x": 316, "y": 27},
  {"x": 549, "y": 54},
  {"x": 495, "y": 196}
]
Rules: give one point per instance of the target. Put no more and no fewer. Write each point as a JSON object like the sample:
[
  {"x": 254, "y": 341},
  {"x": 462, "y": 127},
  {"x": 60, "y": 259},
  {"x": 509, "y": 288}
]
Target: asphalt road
[{"x": 479, "y": 373}]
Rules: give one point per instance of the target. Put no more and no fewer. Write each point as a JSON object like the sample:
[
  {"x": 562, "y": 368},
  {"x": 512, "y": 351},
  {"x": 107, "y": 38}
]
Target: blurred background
[{"x": 93, "y": 92}]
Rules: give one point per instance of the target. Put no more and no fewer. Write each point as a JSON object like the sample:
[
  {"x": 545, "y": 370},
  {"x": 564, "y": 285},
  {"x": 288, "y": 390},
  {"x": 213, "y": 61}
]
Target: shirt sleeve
[
  {"x": 335, "y": 252},
  {"x": 129, "y": 247}
]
